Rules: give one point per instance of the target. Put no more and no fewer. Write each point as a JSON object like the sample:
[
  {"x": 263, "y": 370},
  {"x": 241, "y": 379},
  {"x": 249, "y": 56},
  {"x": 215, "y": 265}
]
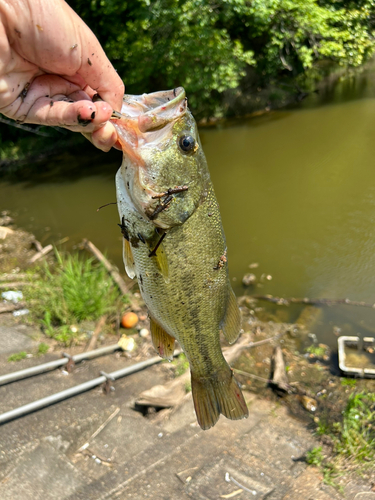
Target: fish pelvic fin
[
  {"x": 128, "y": 259},
  {"x": 162, "y": 341},
  {"x": 232, "y": 320},
  {"x": 217, "y": 394},
  {"x": 161, "y": 261}
]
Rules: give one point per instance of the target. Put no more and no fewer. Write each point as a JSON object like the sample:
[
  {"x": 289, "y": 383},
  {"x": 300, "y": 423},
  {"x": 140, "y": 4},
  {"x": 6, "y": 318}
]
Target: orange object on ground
[{"x": 129, "y": 320}]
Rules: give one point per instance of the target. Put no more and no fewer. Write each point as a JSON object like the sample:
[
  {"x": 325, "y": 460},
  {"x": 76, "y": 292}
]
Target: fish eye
[{"x": 187, "y": 143}]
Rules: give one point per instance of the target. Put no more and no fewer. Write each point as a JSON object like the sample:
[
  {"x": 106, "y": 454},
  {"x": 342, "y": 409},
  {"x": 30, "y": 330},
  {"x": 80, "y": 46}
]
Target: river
[{"x": 296, "y": 189}]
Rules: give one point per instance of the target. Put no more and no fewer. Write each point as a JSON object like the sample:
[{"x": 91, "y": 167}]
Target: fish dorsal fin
[
  {"x": 162, "y": 341},
  {"x": 232, "y": 320},
  {"x": 161, "y": 261},
  {"x": 128, "y": 259}
]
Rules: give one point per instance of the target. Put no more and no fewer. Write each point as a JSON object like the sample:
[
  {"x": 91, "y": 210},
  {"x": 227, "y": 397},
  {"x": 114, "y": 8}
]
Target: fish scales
[{"x": 184, "y": 282}]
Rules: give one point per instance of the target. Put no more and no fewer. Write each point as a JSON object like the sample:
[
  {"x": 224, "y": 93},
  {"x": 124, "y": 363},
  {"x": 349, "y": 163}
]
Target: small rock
[
  {"x": 4, "y": 231},
  {"x": 144, "y": 332},
  {"x": 249, "y": 279},
  {"x": 5, "y": 220}
]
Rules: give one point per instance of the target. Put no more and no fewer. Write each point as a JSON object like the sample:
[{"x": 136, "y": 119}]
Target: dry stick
[
  {"x": 99, "y": 327},
  {"x": 38, "y": 245},
  {"x": 86, "y": 445},
  {"x": 41, "y": 254},
  {"x": 111, "y": 269},
  {"x": 6, "y": 308},
  {"x": 15, "y": 276},
  {"x": 13, "y": 285},
  {"x": 314, "y": 302}
]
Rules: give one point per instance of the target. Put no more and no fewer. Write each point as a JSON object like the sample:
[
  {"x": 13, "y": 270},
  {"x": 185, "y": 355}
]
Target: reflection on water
[{"x": 297, "y": 195}]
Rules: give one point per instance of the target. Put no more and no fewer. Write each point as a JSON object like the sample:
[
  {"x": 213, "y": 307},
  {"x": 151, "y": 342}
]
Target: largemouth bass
[{"x": 174, "y": 244}]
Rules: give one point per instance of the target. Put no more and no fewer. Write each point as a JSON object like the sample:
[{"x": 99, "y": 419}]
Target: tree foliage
[
  {"x": 214, "y": 48},
  {"x": 207, "y": 45}
]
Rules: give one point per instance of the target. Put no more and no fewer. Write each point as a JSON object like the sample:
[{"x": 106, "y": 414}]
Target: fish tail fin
[{"x": 217, "y": 394}]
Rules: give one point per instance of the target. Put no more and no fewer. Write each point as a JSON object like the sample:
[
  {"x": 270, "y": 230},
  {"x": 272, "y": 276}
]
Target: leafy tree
[
  {"x": 207, "y": 45},
  {"x": 223, "y": 48}
]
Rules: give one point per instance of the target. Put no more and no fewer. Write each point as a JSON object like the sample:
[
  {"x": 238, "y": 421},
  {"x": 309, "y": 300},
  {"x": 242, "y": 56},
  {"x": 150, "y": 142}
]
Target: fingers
[
  {"x": 104, "y": 138},
  {"x": 51, "y": 100},
  {"x": 88, "y": 60}
]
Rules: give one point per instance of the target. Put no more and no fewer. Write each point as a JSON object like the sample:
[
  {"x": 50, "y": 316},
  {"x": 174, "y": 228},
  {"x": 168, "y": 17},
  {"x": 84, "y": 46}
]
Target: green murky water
[{"x": 297, "y": 195}]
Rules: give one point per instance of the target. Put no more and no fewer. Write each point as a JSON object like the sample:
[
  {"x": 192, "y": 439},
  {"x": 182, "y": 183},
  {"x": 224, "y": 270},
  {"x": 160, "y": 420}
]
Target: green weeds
[
  {"x": 18, "y": 356},
  {"x": 317, "y": 350},
  {"x": 355, "y": 435},
  {"x": 74, "y": 290},
  {"x": 353, "y": 439},
  {"x": 348, "y": 382},
  {"x": 42, "y": 348}
]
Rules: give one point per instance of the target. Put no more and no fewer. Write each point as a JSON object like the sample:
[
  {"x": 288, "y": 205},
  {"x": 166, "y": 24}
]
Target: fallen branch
[
  {"x": 279, "y": 377},
  {"x": 111, "y": 269},
  {"x": 6, "y": 308},
  {"x": 313, "y": 302},
  {"x": 99, "y": 327},
  {"x": 15, "y": 276},
  {"x": 38, "y": 245},
  {"x": 13, "y": 285},
  {"x": 41, "y": 254}
]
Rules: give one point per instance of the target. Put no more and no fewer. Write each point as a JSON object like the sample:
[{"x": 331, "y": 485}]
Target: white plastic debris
[
  {"x": 21, "y": 312},
  {"x": 126, "y": 343},
  {"x": 12, "y": 296}
]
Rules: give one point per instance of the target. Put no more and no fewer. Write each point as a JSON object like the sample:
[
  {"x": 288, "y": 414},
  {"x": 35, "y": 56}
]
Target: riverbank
[{"x": 275, "y": 366}]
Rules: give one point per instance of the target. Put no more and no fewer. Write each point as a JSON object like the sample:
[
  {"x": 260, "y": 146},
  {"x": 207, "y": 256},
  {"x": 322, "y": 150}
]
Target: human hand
[{"x": 51, "y": 66}]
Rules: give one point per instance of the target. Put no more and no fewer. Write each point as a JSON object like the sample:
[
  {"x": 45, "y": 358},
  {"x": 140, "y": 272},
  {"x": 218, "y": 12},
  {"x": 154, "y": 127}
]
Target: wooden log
[
  {"x": 41, "y": 254},
  {"x": 111, "y": 269}
]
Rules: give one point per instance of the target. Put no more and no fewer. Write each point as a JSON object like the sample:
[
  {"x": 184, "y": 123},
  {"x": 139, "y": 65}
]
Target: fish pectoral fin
[
  {"x": 128, "y": 259},
  {"x": 162, "y": 341},
  {"x": 231, "y": 324},
  {"x": 217, "y": 394}
]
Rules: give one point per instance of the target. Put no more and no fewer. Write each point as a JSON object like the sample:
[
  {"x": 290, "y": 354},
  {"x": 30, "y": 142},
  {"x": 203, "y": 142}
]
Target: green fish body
[{"x": 174, "y": 244}]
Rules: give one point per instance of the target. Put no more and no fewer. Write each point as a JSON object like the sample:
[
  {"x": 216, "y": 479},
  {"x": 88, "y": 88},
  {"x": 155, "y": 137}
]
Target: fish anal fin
[
  {"x": 232, "y": 320},
  {"x": 218, "y": 394},
  {"x": 128, "y": 259},
  {"x": 162, "y": 341}
]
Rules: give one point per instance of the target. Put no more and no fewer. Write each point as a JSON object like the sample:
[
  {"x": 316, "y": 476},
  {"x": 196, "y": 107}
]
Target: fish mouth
[
  {"x": 153, "y": 111},
  {"x": 146, "y": 123}
]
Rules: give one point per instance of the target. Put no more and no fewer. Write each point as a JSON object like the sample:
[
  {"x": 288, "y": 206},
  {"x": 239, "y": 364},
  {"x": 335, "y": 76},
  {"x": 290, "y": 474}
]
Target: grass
[
  {"x": 318, "y": 459},
  {"x": 74, "y": 290},
  {"x": 348, "y": 382},
  {"x": 355, "y": 435},
  {"x": 42, "y": 348},
  {"x": 353, "y": 439},
  {"x": 317, "y": 350},
  {"x": 18, "y": 356}
]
